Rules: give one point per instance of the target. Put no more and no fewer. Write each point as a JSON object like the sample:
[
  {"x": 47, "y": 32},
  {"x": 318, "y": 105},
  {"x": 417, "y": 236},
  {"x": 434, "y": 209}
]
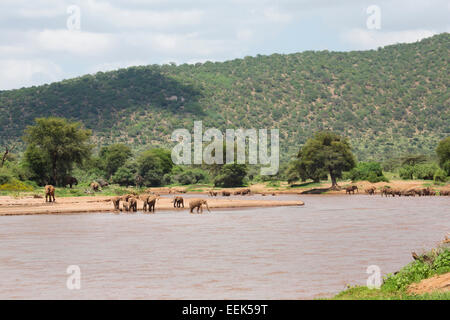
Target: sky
[{"x": 43, "y": 41}]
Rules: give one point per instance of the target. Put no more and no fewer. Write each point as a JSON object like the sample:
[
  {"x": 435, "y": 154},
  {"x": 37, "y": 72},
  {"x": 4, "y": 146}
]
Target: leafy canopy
[
  {"x": 56, "y": 144},
  {"x": 326, "y": 152}
]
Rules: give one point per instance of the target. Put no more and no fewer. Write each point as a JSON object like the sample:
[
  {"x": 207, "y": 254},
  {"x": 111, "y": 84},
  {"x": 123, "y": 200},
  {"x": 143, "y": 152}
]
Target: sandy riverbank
[{"x": 67, "y": 205}]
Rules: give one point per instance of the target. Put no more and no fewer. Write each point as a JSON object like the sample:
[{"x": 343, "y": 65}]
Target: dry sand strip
[{"x": 31, "y": 206}]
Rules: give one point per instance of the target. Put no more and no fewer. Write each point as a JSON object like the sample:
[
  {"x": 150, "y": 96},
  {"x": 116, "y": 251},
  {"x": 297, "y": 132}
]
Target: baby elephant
[
  {"x": 198, "y": 203},
  {"x": 131, "y": 204},
  {"x": 95, "y": 186},
  {"x": 178, "y": 202},
  {"x": 49, "y": 193}
]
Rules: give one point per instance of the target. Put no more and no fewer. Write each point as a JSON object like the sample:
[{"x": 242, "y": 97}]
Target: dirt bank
[
  {"x": 30, "y": 205},
  {"x": 439, "y": 283}
]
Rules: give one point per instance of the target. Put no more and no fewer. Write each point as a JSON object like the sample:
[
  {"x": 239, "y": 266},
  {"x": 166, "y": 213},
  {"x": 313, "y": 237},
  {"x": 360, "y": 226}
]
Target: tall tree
[
  {"x": 114, "y": 156},
  {"x": 443, "y": 153},
  {"x": 326, "y": 152},
  {"x": 60, "y": 142}
]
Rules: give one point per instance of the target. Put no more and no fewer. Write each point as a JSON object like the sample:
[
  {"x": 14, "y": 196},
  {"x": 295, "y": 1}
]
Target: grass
[{"x": 395, "y": 286}]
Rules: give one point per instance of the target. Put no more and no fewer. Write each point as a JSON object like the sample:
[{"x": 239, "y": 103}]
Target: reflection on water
[{"x": 269, "y": 253}]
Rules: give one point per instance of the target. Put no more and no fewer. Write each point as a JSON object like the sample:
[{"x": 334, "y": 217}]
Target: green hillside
[{"x": 389, "y": 102}]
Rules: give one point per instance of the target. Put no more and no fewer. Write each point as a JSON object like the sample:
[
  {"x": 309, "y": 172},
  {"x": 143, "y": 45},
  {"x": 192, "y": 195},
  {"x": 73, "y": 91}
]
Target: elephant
[
  {"x": 178, "y": 202},
  {"x": 102, "y": 183},
  {"x": 444, "y": 193},
  {"x": 132, "y": 202},
  {"x": 69, "y": 180},
  {"x": 95, "y": 186},
  {"x": 237, "y": 193},
  {"x": 139, "y": 181},
  {"x": 371, "y": 190},
  {"x": 116, "y": 202},
  {"x": 245, "y": 191},
  {"x": 49, "y": 193},
  {"x": 149, "y": 202},
  {"x": 198, "y": 203},
  {"x": 351, "y": 189},
  {"x": 212, "y": 193},
  {"x": 226, "y": 193},
  {"x": 125, "y": 206}
]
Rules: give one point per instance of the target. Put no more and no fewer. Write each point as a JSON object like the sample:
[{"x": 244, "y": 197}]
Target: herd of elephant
[
  {"x": 388, "y": 191},
  {"x": 130, "y": 201}
]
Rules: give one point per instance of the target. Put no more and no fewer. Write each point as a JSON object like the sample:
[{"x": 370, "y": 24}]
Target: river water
[{"x": 269, "y": 253}]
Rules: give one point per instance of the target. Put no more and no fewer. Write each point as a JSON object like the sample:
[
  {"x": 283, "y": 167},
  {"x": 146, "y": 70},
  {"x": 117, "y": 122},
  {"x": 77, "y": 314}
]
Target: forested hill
[{"x": 389, "y": 102}]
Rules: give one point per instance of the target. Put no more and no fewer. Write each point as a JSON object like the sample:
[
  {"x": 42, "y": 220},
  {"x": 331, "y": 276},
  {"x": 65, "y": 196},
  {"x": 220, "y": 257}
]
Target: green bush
[
  {"x": 370, "y": 171},
  {"x": 16, "y": 185},
  {"x": 406, "y": 172},
  {"x": 418, "y": 270},
  {"x": 189, "y": 176},
  {"x": 440, "y": 176},
  {"x": 425, "y": 171},
  {"x": 231, "y": 175},
  {"x": 5, "y": 176}
]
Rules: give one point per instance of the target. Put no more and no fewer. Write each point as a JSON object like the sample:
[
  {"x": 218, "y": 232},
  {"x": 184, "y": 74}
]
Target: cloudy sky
[{"x": 42, "y": 41}]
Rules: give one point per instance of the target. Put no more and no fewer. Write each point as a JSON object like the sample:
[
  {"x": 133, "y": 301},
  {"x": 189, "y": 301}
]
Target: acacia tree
[
  {"x": 326, "y": 152},
  {"x": 59, "y": 142}
]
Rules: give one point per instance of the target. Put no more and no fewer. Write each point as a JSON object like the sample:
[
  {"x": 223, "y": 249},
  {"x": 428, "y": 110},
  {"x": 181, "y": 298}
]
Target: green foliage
[
  {"x": 370, "y": 171},
  {"x": 402, "y": 108},
  {"x": 231, "y": 175},
  {"x": 5, "y": 176},
  {"x": 186, "y": 176},
  {"x": 54, "y": 146},
  {"x": 16, "y": 186},
  {"x": 325, "y": 152},
  {"x": 153, "y": 164},
  {"x": 418, "y": 270},
  {"x": 440, "y": 176},
  {"x": 125, "y": 176},
  {"x": 113, "y": 157},
  {"x": 424, "y": 171},
  {"x": 443, "y": 153}
]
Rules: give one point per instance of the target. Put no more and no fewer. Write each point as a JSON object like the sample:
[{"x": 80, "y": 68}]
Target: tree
[
  {"x": 443, "y": 153},
  {"x": 113, "y": 157},
  {"x": 125, "y": 175},
  {"x": 153, "y": 164},
  {"x": 327, "y": 152},
  {"x": 370, "y": 171},
  {"x": 231, "y": 175},
  {"x": 57, "y": 144}
]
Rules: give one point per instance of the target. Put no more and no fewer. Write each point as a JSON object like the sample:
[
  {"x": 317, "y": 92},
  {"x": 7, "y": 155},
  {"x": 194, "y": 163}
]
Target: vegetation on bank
[
  {"x": 59, "y": 152},
  {"x": 387, "y": 102},
  {"x": 395, "y": 286}
]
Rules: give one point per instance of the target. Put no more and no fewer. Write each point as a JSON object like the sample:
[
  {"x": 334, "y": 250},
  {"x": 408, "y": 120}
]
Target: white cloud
[
  {"x": 74, "y": 42},
  {"x": 19, "y": 73},
  {"x": 363, "y": 39},
  {"x": 275, "y": 15}
]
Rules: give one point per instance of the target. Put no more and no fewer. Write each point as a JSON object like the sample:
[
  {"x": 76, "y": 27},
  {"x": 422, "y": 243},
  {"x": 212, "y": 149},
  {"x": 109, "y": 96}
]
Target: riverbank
[
  {"x": 90, "y": 204},
  {"x": 426, "y": 278}
]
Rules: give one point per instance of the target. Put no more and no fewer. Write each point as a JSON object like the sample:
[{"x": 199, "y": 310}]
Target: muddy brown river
[{"x": 270, "y": 253}]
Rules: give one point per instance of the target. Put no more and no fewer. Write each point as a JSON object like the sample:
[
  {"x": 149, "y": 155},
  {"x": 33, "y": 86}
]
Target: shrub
[
  {"x": 418, "y": 270},
  {"x": 5, "y": 176},
  {"x": 370, "y": 171},
  {"x": 440, "y": 176},
  {"x": 231, "y": 175},
  {"x": 15, "y": 185},
  {"x": 189, "y": 176},
  {"x": 406, "y": 172}
]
